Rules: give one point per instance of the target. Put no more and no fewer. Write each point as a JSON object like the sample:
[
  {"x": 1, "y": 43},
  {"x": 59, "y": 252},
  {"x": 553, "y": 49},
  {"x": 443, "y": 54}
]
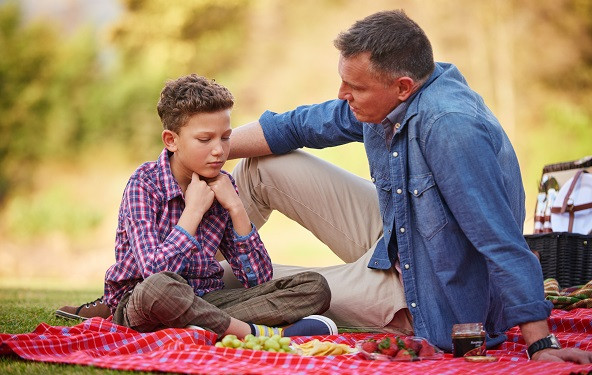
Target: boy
[{"x": 177, "y": 212}]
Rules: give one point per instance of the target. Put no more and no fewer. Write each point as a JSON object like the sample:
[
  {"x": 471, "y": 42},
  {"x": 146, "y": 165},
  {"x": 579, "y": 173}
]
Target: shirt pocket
[{"x": 426, "y": 204}]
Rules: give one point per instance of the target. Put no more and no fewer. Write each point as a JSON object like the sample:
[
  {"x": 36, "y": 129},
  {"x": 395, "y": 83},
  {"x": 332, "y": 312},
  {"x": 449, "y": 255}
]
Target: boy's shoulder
[{"x": 155, "y": 176}]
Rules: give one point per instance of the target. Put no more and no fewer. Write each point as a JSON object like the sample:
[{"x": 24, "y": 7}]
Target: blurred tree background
[{"x": 78, "y": 99}]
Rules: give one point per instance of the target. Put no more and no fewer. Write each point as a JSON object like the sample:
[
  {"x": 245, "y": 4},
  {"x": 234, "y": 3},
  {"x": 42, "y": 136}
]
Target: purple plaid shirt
[{"x": 148, "y": 240}]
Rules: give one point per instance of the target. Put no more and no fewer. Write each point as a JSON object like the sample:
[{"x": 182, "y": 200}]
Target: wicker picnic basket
[{"x": 564, "y": 256}]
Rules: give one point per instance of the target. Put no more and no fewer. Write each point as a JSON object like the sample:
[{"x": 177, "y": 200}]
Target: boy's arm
[
  {"x": 142, "y": 207},
  {"x": 241, "y": 245}
]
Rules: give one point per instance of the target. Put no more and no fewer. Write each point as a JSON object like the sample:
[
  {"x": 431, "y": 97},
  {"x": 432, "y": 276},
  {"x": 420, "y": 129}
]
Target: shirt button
[
  {"x": 415, "y": 192},
  {"x": 248, "y": 269},
  {"x": 399, "y": 191},
  {"x": 395, "y": 154},
  {"x": 402, "y": 230},
  {"x": 397, "y": 126},
  {"x": 413, "y": 304},
  {"x": 406, "y": 266},
  {"x": 373, "y": 179}
]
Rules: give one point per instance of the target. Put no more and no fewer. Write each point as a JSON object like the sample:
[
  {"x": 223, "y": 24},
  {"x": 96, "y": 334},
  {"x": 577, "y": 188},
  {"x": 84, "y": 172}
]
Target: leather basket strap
[{"x": 570, "y": 190}]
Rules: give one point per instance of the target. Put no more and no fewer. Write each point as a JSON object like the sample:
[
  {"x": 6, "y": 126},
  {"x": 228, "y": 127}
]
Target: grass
[{"x": 22, "y": 310}]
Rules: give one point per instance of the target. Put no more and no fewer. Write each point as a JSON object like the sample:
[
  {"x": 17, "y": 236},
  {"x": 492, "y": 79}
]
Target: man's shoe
[
  {"x": 83, "y": 312},
  {"x": 312, "y": 325}
]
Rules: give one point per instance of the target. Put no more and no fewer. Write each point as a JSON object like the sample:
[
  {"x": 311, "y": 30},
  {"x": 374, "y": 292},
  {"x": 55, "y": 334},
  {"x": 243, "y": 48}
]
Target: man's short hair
[
  {"x": 397, "y": 45},
  {"x": 189, "y": 95}
]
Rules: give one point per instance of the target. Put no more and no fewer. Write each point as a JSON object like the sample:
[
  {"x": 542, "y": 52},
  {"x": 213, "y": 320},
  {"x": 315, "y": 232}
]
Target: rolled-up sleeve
[{"x": 318, "y": 126}]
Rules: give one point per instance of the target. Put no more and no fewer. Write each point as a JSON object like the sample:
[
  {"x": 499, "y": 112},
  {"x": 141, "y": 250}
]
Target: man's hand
[{"x": 563, "y": 355}]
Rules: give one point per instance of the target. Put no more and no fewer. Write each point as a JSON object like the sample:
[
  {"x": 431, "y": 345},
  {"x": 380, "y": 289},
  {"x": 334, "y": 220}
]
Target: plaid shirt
[{"x": 148, "y": 240}]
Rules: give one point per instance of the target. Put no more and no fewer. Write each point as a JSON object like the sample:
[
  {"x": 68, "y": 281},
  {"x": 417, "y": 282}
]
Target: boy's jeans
[
  {"x": 341, "y": 210},
  {"x": 166, "y": 300}
]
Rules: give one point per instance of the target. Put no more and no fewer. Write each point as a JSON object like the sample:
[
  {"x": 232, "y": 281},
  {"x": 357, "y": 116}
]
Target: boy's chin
[{"x": 209, "y": 174}]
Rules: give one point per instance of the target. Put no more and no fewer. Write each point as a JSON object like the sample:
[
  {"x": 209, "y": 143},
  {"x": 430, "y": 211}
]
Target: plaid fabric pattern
[
  {"x": 100, "y": 343},
  {"x": 148, "y": 240},
  {"x": 568, "y": 298}
]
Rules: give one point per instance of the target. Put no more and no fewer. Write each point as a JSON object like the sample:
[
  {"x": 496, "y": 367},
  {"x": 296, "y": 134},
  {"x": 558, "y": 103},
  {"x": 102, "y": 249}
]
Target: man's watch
[{"x": 549, "y": 342}]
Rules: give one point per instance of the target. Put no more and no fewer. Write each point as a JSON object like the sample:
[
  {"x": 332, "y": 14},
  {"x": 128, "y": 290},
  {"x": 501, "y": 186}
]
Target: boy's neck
[{"x": 181, "y": 176}]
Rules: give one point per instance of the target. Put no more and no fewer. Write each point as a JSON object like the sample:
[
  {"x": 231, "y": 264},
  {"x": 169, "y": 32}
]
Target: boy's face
[{"x": 201, "y": 146}]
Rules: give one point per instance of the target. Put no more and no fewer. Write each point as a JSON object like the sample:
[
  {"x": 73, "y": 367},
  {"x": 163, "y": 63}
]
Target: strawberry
[
  {"x": 391, "y": 352},
  {"x": 412, "y": 344},
  {"x": 404, "y": 354},
  {"x": 426, "y": 350},
  {"x": 385, "y": 343},
  {"x": 370, "y": 346}
]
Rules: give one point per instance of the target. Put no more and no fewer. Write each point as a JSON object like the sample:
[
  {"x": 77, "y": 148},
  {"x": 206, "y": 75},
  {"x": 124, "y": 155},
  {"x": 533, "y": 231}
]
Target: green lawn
[{"x": 21, "y": 311}]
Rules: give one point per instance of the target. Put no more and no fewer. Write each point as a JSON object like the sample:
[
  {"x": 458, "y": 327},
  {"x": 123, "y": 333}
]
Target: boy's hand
[
  {"x": 198, "y": 196},
  {"x": 225, "y": 193},
  {"x": 228, "y": 198}
]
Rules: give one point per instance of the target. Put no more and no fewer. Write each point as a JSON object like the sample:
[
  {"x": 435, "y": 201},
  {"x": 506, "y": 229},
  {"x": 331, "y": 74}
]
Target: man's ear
[
  {"x": 169, "y": 138},
  {"x": 406, "y": 87}
]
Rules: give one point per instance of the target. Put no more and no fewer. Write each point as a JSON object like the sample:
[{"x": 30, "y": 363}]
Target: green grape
[
  {"x": 274, "y": 343},
  {"x": 271, "y": 344},
  {"x": 228, "y": 340}
]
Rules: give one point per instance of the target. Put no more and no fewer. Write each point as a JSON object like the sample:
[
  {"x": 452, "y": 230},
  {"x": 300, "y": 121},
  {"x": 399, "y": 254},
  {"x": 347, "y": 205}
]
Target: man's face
[
  {"x": 368, "y": 97},
  {"x": 202, "y": 145}
]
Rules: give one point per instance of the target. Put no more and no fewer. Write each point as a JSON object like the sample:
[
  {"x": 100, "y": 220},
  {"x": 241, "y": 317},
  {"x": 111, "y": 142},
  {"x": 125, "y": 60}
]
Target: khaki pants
[
  {"x": 341, "y": 210},
  {"x": 166, "y": 300}
]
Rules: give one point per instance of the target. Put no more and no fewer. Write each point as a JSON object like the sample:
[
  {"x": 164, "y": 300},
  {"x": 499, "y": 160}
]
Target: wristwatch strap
[{"x": 544, "y": 343}]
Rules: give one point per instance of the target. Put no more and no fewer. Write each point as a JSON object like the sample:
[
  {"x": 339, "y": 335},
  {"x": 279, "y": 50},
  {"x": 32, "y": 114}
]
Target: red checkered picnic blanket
[{"x": 98, "y": 342}]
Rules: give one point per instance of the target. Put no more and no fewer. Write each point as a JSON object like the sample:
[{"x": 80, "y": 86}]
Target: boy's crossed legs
[{"x": 166, "y": 300}]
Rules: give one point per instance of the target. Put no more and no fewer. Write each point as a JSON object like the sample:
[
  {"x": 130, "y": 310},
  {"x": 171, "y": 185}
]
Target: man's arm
[
  {"x": 248, "y": 141},
  {"x": 533, "y": 331}
]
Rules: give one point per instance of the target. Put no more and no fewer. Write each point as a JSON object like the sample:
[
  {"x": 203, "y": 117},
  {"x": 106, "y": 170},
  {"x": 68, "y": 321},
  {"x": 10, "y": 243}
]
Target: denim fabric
[{"x": 451, "y": 200}]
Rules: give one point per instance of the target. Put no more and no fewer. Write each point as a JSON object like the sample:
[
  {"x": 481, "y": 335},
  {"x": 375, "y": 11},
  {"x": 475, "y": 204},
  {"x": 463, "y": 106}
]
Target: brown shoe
[{"x": 88, "y": 310}]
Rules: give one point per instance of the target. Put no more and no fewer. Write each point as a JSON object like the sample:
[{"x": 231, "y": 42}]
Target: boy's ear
[{"x": 169, "y": 138}]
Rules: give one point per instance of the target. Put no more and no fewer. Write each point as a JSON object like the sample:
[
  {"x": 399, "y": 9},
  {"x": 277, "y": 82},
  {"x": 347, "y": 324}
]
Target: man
[{"x": 450, "y": 203}]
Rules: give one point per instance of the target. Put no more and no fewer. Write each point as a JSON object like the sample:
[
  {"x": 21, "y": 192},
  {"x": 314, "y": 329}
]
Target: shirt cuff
[
  {"x": 272, "y": 125},
  {"x": 238, "y": 238},
  {"x": 189, "y": 236},
  {"x": 530, "y": 312}
]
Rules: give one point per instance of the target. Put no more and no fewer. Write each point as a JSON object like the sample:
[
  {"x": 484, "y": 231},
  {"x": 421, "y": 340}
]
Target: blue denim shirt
[{"x": 452, "y": 204}]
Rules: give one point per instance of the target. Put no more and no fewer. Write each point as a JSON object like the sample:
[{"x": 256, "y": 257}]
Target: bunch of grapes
[{"x": 275, "y": 343}]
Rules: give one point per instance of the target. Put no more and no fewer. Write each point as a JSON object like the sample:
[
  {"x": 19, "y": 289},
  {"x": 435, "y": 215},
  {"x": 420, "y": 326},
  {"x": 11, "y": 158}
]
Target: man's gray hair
[{"x": 397, "y": 45}]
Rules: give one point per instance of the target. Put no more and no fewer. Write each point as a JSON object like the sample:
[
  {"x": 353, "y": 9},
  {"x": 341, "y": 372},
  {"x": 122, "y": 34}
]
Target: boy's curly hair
[{"x": 188, "y": 95}]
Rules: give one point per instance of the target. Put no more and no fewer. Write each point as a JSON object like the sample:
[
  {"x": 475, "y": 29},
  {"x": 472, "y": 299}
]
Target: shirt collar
[
  {"x": 171, "y": 186},
  {"x": 398, "y": 114}
]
